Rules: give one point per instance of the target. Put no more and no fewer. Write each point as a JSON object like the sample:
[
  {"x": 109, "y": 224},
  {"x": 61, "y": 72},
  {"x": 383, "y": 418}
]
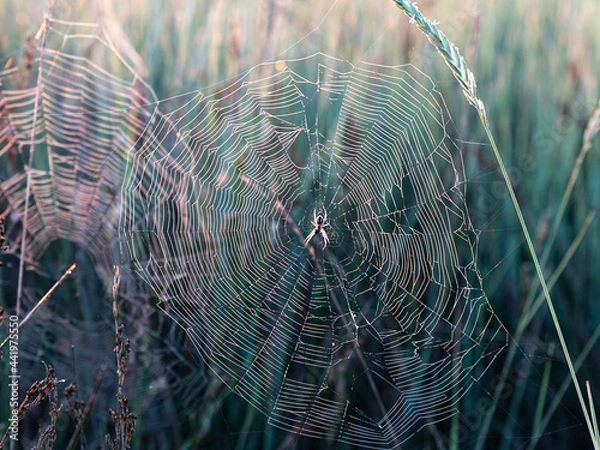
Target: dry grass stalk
[
  {"x": 124, "y": 419},
  {"x": 39, "y": 304},
  {"x": 592, "y": 128},
  {"x": 75, "y": 407},
  {"x": 47, "y": 438},
  {"x": 35, "y": 395},
  {"x": 3, "y": 247}
]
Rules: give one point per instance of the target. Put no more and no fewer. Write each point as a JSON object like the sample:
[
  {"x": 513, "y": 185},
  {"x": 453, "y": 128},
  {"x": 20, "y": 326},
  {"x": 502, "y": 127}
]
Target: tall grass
[
  {"x": 465, "y": 77},
  {"x": 537, "y": 72}
]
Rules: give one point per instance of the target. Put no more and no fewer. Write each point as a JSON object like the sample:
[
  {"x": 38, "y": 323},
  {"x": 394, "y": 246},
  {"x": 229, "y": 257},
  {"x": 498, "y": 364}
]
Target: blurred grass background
[{"x": 537, "y": 66}]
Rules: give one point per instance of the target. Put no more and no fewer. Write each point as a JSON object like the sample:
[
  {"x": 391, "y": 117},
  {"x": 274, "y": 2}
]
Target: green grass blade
[
  {"x": 543, "y": 392},
  {"x": 593, "y": 412},
  {"x": 558, "y": 395},
  {"x": 592, "y": 128}
]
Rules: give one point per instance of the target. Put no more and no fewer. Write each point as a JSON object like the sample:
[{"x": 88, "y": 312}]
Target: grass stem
[{"x": 39, "y": 304}]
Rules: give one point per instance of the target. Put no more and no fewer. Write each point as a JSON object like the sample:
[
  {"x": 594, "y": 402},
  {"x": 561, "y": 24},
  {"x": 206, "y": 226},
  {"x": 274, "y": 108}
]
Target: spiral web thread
[{"x": 365, "y": 340}]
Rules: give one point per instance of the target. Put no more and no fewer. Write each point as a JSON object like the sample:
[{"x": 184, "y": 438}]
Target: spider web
[
  {"x": 90, "y": 114},
  {"x": 392, "y": 307},
  {"x": 364, "y": 341}
]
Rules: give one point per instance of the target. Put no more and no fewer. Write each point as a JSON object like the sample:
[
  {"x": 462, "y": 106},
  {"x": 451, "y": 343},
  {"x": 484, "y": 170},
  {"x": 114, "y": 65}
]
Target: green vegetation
[{"x": 538, "y": 75}]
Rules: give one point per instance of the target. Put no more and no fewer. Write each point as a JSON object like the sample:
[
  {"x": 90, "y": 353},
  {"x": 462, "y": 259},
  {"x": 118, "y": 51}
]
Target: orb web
[
  {"x": 92, "y": 108},
  {"x": 364, "y": 340}
]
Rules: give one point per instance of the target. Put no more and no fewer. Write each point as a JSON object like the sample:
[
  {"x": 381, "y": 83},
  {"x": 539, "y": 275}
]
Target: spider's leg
[
  {"x": 325, "y": 238},
  {"x": 309, "y": 237}
]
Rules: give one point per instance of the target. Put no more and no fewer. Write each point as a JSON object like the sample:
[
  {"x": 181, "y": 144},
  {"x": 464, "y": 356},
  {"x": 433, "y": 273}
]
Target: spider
[{"x": 319, "y": 222}]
